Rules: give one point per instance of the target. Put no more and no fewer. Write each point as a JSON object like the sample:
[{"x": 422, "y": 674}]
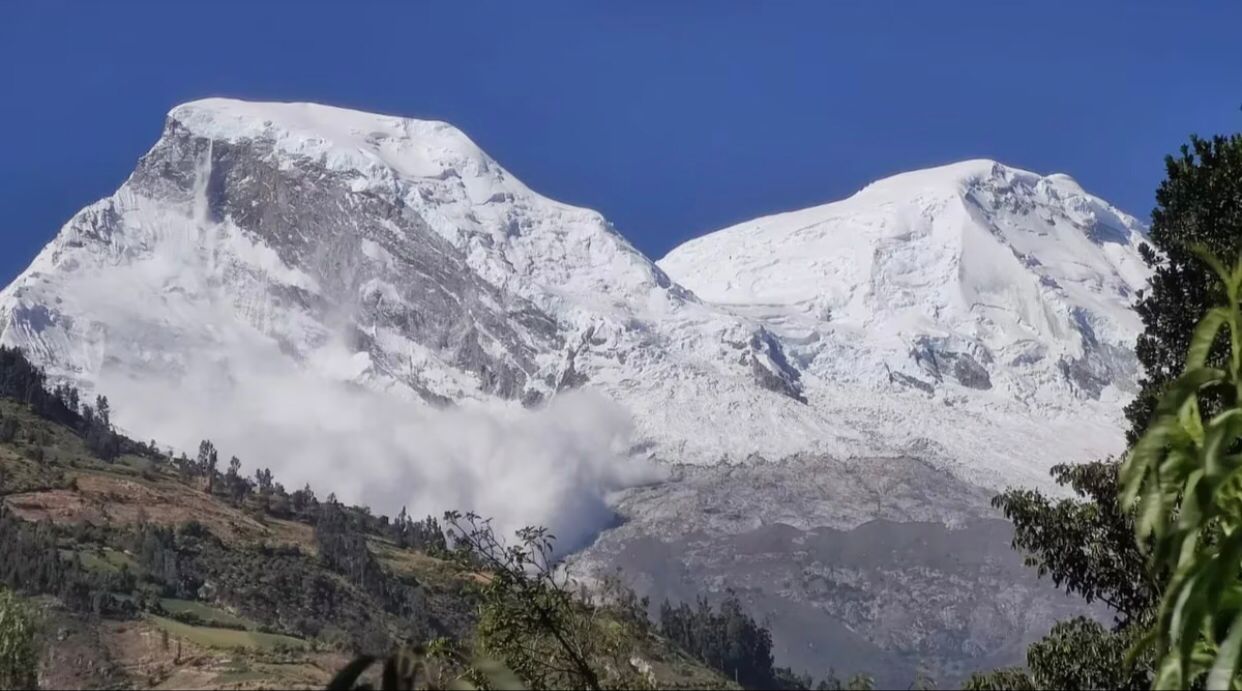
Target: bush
[{"x": 18, "y": 655}]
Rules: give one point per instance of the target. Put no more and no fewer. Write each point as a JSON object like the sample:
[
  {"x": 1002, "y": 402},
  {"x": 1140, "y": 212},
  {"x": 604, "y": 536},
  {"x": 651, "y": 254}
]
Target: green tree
[
  {"x": 1086, "y": 544},
  {"x": 18, "y": 656},
  {"x": 1199, "y": 204},
  {"x": 1076, "y": 654},
  {"x": 531, "y": 620},
  {"x": 1185, "y": 477}
]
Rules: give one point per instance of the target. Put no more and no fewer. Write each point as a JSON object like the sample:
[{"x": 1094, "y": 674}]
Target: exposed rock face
[
  {"x": 370, "y": 259},
  {"x": 383, "y": 251},
  {"x": 883, "y": 566}
]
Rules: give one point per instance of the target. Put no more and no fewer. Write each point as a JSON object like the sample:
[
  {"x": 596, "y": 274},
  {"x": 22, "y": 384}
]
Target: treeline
[
  {"x": 31, "y": 562},
  {"x": 262, "y": 494},
  {"x": 291, "y": 590},
  {"x": 729, "y": 640},
  {"x": 725, "y": 638},
  {"x": 22, "y": 381}
]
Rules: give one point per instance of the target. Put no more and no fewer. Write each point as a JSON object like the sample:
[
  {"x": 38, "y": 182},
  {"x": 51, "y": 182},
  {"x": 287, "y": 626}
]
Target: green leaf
[
  {"x": 1186, "y": 386},
  {"x": 1191, "y": 512},
  {"x": 1190, "y": 420},
  {"x": 1146, "y": 455},
  {"x": 1204, "y": 336},
  {"x": 1226, "y": 665},
  {"x": 1169, "y": 676},
  {"x": 1151, "y": 516},
  {"x": 1221, "y": 433}
]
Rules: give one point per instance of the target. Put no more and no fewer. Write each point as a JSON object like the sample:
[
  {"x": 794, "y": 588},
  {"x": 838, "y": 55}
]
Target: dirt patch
[
  {"x": 103, "y": 499},
  {"x": 152, "y": 659},
  {"x": 74, "y": 654},
  {"x": 293, "y": 533}
]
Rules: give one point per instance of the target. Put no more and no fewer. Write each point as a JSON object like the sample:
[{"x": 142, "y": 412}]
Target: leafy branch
[{"x": 1184, "y": 477}]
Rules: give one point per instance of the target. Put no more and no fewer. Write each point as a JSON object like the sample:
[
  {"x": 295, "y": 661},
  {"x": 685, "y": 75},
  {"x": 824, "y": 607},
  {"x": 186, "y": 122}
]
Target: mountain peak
[
  {"x": 1027, "y": 276},
  {"x": 339, "y": 137},
  {"x": 963, "y": 176}
]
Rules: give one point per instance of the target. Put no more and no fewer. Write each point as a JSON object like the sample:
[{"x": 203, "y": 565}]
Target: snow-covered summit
[
  {"x": 1020, "y": 281},
  {"x": 460, "y": 192},
  {"x": 343, "y": 138}
]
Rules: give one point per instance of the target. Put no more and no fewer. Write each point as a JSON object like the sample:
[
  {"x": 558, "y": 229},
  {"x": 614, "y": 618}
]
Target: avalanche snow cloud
[
  {"x": 374, "y": 305},
  {"x": 550, "y": 466}
]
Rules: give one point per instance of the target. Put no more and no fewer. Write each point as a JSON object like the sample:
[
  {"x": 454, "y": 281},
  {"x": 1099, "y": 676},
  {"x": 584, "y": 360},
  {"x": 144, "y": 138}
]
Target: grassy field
[
  {"x": 208, "y": 614},
  {"x": 101, "y": 560},
  {"x": 211, "y": 637},
  {"x": 423, "y": 567}
]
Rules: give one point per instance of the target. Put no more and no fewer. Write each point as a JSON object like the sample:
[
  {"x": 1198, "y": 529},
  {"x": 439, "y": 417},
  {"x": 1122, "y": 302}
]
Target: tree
[
  {"x": 103, "y": 410},
  {"x": 727, "y": 639},
  {"x": 1076, "y": 654},
  {"x": 18, "y": 656},
  {"x": 529, "y": 617},
  {"x": 1184, "y": 475},
  {"x": 234, "y": 482},
  {"x": 208, "y": 459},
  {"x": 8, "y": 429},
  {"x": 1087, "y": 544},
  {"x": 263, "y": 479},
  {"x": 1198, "y": 204}
]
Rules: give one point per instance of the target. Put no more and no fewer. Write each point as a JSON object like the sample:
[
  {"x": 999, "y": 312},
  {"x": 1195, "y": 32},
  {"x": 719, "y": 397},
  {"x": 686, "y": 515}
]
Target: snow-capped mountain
[
  {"x": 975, "y": 314},
  {"x": 992, "y": 290},
  {"x": 989, "y": 276}
]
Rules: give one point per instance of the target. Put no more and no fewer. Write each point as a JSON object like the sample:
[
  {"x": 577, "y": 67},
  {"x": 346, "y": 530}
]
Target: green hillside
[{"x": 149, "y": 571}]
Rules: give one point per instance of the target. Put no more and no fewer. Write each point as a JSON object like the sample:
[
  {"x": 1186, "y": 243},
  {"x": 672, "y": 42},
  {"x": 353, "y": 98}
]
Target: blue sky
[{"x": 672, "y": 118}]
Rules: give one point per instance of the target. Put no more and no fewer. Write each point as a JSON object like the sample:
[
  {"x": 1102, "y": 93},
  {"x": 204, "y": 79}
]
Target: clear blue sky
[{"x": 671, "y": 118}]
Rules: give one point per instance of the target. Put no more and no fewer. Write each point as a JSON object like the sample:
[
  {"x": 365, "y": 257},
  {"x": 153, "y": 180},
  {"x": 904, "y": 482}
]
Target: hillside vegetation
[{"x": 147, "y": 570}]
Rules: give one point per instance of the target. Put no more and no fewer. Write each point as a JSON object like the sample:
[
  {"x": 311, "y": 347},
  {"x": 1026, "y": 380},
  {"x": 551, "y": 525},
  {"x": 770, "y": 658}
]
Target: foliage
[
  {"x": 1080, "y": 653},
  {"x": 423, "y": 667},
  {"x": 1198, "y": 204},
  {"x": 30, "y": 562},
  {"x": 531, "y": 620},
  {"x": 1185, "y": 477},
  {"x": 1006, "y": 679},
  {"x": 1085, "y": 545},
  {"x": 345, "y": 551},
  {"x": 22, "y": 381},
  {"x": 726, "y": 639},
  {"x": 1076, "y": 654},
  {"x": 18, "y": 655}
]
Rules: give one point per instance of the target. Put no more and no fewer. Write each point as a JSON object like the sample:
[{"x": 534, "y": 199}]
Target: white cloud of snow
[{"x": 552, "y": 466}]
